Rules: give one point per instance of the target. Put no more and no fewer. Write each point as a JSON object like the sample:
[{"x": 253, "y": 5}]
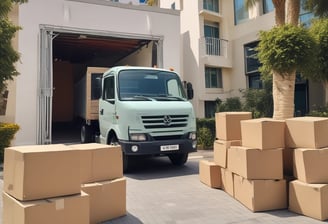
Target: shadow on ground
[
  {"x": 285, "y": 213},
  {"x": 127, "y": 219},
  {"x": 159, "y": 167}
]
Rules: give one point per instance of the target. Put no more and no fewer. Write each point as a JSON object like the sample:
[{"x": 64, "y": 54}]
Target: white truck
[{"x": 144, "y": 109}]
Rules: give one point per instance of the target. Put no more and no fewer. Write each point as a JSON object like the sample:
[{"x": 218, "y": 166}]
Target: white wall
[
  {"x": 127, "y": 19},
  {"x": 240, "y": 35}
]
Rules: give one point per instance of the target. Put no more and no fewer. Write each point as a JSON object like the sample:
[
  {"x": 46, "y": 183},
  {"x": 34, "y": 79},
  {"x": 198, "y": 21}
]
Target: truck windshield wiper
[
  {"x": 142, "y": 97},
  {"x": 171, "y": 97}
]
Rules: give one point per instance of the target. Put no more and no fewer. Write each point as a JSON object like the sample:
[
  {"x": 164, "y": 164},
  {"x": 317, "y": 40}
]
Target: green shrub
[
  {"x": 230, "y": 104},
  {"x": 259, "y": 101},
  {"x": 7, "y": 133},
  {"x": 319, "y": 112},
  {"x": 206, "y": 132},
  {"x": 205, "y": 138}
]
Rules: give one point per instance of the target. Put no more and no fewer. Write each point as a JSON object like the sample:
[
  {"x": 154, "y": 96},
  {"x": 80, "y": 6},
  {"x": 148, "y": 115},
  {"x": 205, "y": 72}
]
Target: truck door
[{"x": 107, "y": 116}]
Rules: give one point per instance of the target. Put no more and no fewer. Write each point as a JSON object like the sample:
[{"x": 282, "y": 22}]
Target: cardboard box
[
  {"x": 228, "y": 124},
  {"x": 255, "y": 163},
  {"x": 107, "y": 199},
  {"x": 99, "y": 162},
  {"x": 311, "y": 165},
  {"x": 263, "y": 133},
  {"x": 307, "y": 132},
  {"x": 227, "y": 181},
  {"x": 41, "y": 171},
  {"x": 260, "y": 195},
  {"x": 309, "y": 199},
  {"x": 70, "y": 209},
  {"x": 210, "y": 173},
  {"x": 220, "y": 148},
  {"x": 288, "y": 161}
]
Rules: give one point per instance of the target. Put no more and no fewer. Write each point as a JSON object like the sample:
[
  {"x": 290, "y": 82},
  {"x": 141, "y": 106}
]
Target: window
[
  {"x": 173, "y": 5},
  {"x": 211, "y": 5},
  {"x": 267, "y": 6},
  {"x": 252, "y": 63},
  {"x": 213, "y": 77},
  {"x": 109, "y": 88},
  {"x": 254, "y": 81},
  {"x": 149, "y": 84},
  {"x": 96, "y": 79},
  {"x": 210, "y": 109},
  {"x": 212, "y": 34},
  {"x": 305, "y": 16},
  {"x": 241, "y": 11}
]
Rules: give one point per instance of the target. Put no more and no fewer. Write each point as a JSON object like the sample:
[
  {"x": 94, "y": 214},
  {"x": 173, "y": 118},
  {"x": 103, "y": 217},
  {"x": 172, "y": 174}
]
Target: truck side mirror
[{"x": 190, "y": 91}]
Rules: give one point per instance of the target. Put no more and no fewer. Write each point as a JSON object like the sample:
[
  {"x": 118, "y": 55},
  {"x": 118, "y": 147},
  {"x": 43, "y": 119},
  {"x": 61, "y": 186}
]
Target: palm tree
[{"x": 283, "y": 84}]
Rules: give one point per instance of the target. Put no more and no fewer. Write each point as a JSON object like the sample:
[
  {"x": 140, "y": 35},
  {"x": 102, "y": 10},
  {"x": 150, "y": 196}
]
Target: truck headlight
[
  {"x": 138, "y": 137},
  {"x": 192, "y": 135}
]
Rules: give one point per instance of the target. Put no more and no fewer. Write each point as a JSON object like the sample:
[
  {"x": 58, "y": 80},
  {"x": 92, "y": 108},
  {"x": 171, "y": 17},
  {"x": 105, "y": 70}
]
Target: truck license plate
[{"x": 169, "y": 147}]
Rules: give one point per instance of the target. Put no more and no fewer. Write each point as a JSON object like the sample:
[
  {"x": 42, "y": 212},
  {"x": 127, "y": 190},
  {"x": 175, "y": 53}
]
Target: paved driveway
[{"x": 159, "y": 193}]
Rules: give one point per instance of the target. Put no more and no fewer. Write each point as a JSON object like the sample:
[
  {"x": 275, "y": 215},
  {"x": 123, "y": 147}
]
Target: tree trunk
[
  {"x": 293, "y": 11},
  {"x": 283, "y": 88},
  {"x": 280, "y": 12}
]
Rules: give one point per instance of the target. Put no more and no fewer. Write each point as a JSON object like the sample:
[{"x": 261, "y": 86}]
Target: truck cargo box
[{"x": 86, "y": 95}]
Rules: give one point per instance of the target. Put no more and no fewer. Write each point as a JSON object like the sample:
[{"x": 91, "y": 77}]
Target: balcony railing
[{"x": 216, "y": 46}]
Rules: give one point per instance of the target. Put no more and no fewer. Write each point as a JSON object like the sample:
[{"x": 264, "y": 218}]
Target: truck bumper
[{"x": 158, "y": 147}]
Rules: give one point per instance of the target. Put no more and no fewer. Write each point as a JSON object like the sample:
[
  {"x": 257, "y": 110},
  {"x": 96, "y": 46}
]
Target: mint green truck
[{"x": 145, "y": 110}]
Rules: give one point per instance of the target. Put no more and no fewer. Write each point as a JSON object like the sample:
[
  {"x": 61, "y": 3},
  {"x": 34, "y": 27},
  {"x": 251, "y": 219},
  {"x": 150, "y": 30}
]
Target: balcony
[
  {"x": 209, "y": 10},
  {"x": 215, "y": 51}
]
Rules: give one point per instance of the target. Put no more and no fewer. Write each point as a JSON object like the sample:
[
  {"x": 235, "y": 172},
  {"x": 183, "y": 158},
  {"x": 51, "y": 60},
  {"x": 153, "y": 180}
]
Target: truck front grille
[{"x": 164, "y": 121}]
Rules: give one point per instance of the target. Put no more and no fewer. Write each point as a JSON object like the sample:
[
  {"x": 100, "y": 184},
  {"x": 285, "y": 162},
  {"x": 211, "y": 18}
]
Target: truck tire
[
  {"x": 178, "y": 159},
  {"x": 86, "y": 133},
  {"x": 114, "y": 141}
]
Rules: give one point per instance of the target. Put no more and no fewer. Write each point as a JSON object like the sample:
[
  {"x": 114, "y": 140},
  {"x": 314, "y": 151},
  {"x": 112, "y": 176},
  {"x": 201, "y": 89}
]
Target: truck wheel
[
  {"x": 178, "y": 159},
  {"x": 114, "y": 141},
  {"x": 86, "y": 133}
]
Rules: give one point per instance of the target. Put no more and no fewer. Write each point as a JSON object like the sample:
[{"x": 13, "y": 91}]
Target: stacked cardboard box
[
  {"x": 308, "y": 194},
  {"x": 258, "y": 165},
  {"x": 63, "y": 184},
  {"x": 267, "y": 151},
  {"x": 227, "y": 134},
  {"x": 101, "y": 177},
  {"x": 210, "y": 173},
  {"x": 42, "y": 185},
  {"x": 249, "y": 153}
]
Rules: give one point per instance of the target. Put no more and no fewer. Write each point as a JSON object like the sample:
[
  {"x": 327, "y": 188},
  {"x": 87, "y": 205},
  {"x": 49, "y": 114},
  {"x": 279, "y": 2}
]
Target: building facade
[
  {"x": 64, "y": 37},
  {"x": 211, "y": 43},
  {"x": 218, "y": 39}
]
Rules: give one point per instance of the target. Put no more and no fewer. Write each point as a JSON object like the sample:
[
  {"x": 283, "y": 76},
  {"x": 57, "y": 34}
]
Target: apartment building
[
  {"x": 218, "y": 39},
  {"x": 211, "y": 43}
]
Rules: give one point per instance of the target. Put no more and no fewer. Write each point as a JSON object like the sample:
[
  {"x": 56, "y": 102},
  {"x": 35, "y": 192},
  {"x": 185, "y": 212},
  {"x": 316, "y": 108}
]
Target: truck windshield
[{"x": 148, "y": 85}]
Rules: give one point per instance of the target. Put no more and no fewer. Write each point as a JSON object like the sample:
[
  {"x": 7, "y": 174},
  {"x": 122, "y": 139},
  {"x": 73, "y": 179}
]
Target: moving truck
[{"x": 144, "y": 109}]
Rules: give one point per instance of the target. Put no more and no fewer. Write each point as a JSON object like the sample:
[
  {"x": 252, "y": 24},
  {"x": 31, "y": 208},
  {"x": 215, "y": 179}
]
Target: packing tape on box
[{"x": 60, "y": 204}]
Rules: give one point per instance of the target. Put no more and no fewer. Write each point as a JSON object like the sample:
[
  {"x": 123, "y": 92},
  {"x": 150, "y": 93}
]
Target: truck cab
[{"x": 146, "y": 110}]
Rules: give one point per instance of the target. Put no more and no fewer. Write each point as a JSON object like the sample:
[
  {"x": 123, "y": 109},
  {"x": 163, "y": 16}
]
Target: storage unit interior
[{"x": 72, "y": 54}]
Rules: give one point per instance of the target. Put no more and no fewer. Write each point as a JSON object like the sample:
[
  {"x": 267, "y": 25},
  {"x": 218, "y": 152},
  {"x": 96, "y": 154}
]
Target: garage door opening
[{"x": 71, "y": 54}]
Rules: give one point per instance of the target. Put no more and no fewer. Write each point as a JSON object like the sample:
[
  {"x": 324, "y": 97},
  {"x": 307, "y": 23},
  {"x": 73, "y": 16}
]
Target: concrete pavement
[{"x": 159, "y": 193}]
